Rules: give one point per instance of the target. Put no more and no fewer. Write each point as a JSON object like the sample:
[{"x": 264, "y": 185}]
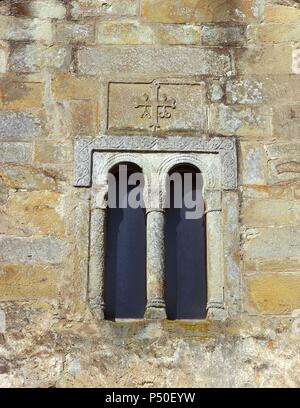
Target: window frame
[{"x": 215, "y": 158}]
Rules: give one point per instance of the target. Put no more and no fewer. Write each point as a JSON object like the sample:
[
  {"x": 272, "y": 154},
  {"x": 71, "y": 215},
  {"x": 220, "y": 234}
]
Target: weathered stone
[
  {"x": 32, "y": 250},
  {"x": 274, "y": 293},
  {"x": 275, "y": 59},
  {"x": 3, "y": 56},
  {"x": 66, "y": 86},
  {"x": 20, "y": 126},
  {"x": 186, "y": 107},
  {"x": 246, "y": 122},
  {"x": 25, "y": 29},
  {"x": 244, "y": 91},
  {"x": 215, "y": 91},
  {"x": 270, "y": 212},
  {"x": 33, "y": 213},
  {"x": 20, "y": 95},
  {"x": 74, "y": 32},
  {"x": 219, "y": 35},
  {"x": 52, "y": 152},
  {"x": 276, "y": 13},
  {"x": 28, "y": 282},
  {"x": 35, "y": 57},
  {"x": 15, "y": 152},
  {"x": 272, "y": 242},
  {"x": 203, "y": 11},
  {"x": 84, "y": 118},
  {"x": 277, "y": 265},
  {"x": 86, "y": 8},
  {"x": 159, "y": 61},
  {"x": 254, "y": 164},
  {"x": 39, "y": 8},
  {"x": 134, "y": 32},
  {"x": 30, "y": 178},
  {"x": 296, "y": 60},
  {"x": 277, "y": 33}
]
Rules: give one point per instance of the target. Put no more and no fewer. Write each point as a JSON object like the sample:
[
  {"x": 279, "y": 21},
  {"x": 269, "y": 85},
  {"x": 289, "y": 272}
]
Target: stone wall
[{"x": 57, "y": 59}]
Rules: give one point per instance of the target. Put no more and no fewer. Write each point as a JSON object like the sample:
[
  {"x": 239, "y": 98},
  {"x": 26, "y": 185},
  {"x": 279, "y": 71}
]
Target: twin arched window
[{"x": 185, "y": 291}]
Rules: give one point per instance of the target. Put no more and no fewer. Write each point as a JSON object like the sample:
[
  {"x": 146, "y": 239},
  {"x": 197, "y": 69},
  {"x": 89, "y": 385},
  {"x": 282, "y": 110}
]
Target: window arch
[
  {"x": 185, "y": 288},
  {"x": 125, "y": 269}
]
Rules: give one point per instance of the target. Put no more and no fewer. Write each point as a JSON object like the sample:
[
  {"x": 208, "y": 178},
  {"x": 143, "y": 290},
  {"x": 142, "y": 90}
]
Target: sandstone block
[
  {"x": 272, "y": 242},
  {"x": 134, "y": 32},
  {"x": 278, "y": 294},
  {"x": 31, "y": 178},
  {"x": 28, "y": 282},
  {"x": 33, "y": 213},
  {"x": 39, "y": 8},
  {"x": 25, "y": 29},
  {"x": 159, "y": 61},
  {"x": 84, "y": 118},
  {"x": 35, "y": 57},
  {"x": 278, "y": 33},
  {"x": 4, "y": 52},
  {"x": 203, "y": 11},
  {"x": 20, "y": 95},
  {"x": 32, "y": 250},
  {"x": 219, "y": 35},
  {"x": 19, "y": 125},
  {"x": 271, "y": 60},
  {"x": 241, "y": 121},
  {"x": 15, "y": 152},
  {"x": 270, "y": 212},
  {"x": 71, "y": 32},
  {"x": 276, "y": 13},
  {"x": 87, "y": 8},
  {"x": 67, "y": 86},
  {"x": 286, "y": 122},
  {"x": 52, "y": 152}
]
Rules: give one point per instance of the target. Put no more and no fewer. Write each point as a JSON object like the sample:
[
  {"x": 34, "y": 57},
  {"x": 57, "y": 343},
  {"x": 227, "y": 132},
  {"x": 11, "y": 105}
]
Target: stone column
[
  {"x": 156, "y": 308},
  {"x": 97, "y": 258}
]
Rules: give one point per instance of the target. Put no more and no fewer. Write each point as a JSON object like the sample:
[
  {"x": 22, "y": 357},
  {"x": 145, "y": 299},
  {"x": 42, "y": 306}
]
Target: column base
[{"x": 156, "y": 310}]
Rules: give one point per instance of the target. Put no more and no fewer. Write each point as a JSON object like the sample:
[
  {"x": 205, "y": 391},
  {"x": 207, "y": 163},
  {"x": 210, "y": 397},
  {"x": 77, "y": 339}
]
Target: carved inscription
[{"x": 155, "y": 106}]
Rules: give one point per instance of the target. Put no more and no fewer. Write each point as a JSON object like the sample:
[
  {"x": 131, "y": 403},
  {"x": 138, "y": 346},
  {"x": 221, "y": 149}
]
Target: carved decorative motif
[{"x": 155, "y": 106}]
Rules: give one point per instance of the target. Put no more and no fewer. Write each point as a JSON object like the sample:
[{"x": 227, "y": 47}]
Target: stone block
[
  {"x": 221, "y": 35},
  {"x": 20, "y": 95},
  {"x": 286, "y": 122},
  {"x": 271, "y": 60},
  {"x": 36, "y": 57},
  {"x": 277, "y": 13},
  {"x": 72, "y": 32},
  {"x": 84, "y": 118},
  {"x": 19, "y": 125},
  {"x": 275, "y": 294},
  {"x": 95, "y": 8},
  {"x": 249, "y": 122},
  {"x": 271, "y": 242},
  {"x": 4, "y": 52},
  {"x": 186, "y": 109},
  {"x": 133, "y": 32},
  {"x": 277, "y": 33},
  {"x": 253, "y": 164},
  {"x": 245, "y": 91},
  {"x": 28, "y": 282},
  {"x": 261, "y": 213},
  {"x": 52, "y": 152},
  {"x": 31, "y": 178},
  {"x": 67, "y": 86},
  {"x": 39, "y": 8},
  {"x": 33, "y": 213},
  {"x": 25, "y": 29},
  {"x": 15, "y": 152},
  {"x": 163, "y": 61},
  {"x": 32, "y": 250},
  {"x": 200, "y": 11}
]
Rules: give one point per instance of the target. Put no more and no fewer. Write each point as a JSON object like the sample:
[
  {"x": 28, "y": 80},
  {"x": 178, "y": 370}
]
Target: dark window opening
[
  {"x": 125, "y": 274},
  {"x": 186, "y": 288}
]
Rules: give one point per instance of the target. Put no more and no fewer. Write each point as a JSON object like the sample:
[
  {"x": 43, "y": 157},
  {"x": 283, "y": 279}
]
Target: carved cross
[{"x": 154, "y": 106}]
